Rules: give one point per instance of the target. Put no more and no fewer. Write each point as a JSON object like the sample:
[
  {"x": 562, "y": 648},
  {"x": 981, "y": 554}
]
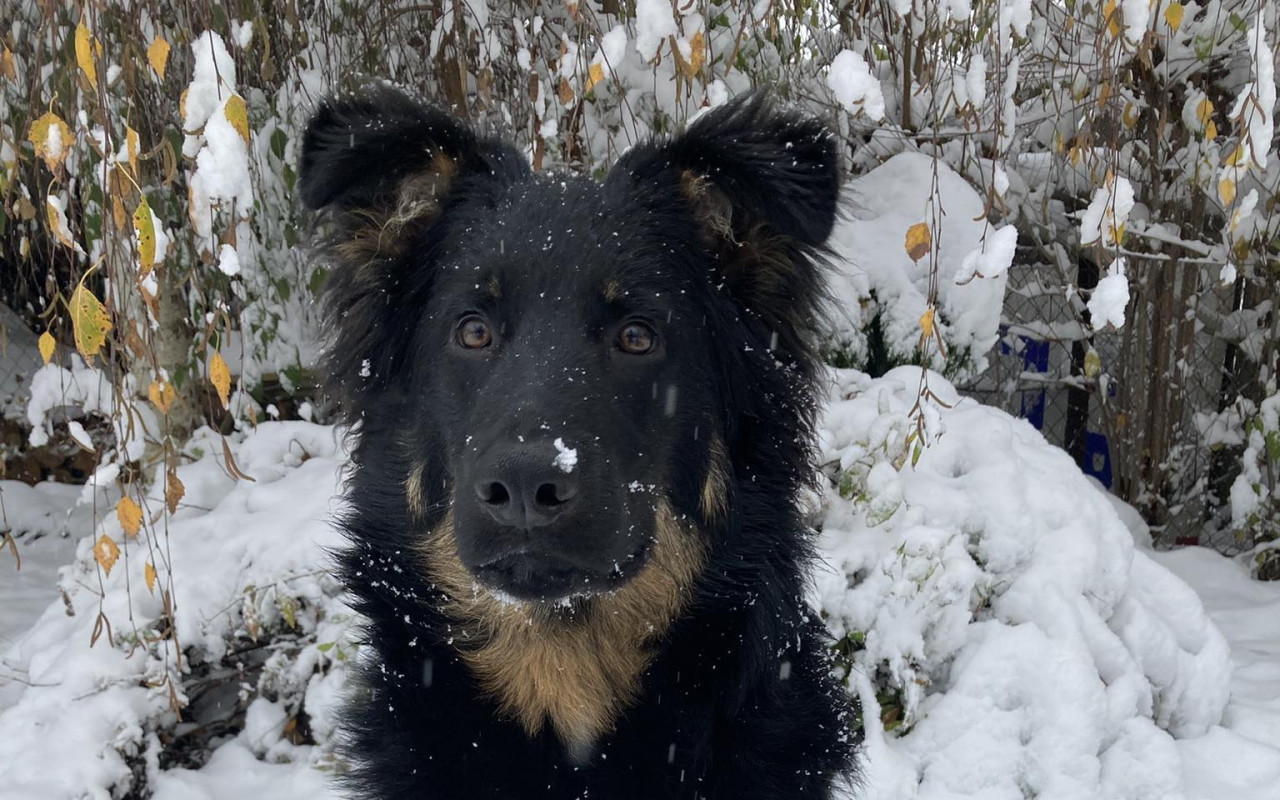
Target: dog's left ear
[{"x": 763, "y": 187}]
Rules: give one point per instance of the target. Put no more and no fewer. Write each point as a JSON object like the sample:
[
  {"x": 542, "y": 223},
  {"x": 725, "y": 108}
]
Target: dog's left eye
[
  {"x": 637, "y": 339},
  {"x": 473, "y": 333}
]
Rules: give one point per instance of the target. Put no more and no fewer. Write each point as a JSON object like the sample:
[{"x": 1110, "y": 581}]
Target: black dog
[{"x": 584, "y": 414}]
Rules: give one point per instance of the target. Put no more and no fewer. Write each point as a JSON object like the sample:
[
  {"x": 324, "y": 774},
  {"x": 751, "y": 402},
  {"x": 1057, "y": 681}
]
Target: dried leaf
[
  {"x": 595, "y": 74},
  {"x": 1173, "y": 16},
  {"x": 144, "y": 229},
  {"x": 565, "y": 93},
  {"x": 173, "y": 490},
  {"x": 230, "y": 462},
  {"x": 918, "y": 241},
  {"x": 105, "y": 552},
  {"x": 46, "y": 345},
  {"x": 158, "y": 55},
  {"x": 220, "y": 377},
  {"x": 130, "y": 516},
  {"x": 149, "y": 575},
  {"x": 926, "y": 322},
  {"x": 7, "y": 67},
  {"x": 238, "y": 115},
  {"x": 52, "y": 139},
  {"x": 161, "y": 395},
  {"x": 131, "y": 148},
  {"x": 89, "y": 321},
  {"x": 84, "y": 54}
]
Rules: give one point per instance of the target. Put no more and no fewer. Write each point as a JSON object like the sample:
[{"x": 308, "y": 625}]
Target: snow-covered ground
[{"x": 1006, "y": 625}]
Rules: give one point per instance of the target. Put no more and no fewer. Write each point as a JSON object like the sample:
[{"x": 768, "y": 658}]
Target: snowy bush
[
  {"x": 226, "y": 631},
  {"x": 1004, "y": 634}
]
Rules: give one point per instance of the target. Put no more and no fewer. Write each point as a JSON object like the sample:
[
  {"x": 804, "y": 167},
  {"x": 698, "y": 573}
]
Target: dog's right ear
[
  {"x": 385, "y": 166},
  {"x": 381, "y": 152}
]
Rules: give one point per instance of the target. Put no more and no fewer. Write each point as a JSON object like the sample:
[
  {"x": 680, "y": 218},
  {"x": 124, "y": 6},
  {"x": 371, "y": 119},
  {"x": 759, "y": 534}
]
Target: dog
[{"x": 584, "y": 414}]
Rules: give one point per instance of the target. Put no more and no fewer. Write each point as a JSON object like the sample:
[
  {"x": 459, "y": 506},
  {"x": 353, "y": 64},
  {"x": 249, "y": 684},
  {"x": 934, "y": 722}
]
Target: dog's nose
[{"x": 526, "y": 489}]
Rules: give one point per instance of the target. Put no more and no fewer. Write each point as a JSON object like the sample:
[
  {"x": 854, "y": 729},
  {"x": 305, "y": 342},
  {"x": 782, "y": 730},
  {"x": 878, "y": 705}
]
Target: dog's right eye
[{"x": 473, "y": 333}]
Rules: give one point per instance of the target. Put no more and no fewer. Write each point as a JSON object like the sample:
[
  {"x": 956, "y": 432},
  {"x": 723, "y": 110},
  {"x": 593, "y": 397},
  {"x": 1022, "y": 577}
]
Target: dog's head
[{"x": 562, "y": 359}]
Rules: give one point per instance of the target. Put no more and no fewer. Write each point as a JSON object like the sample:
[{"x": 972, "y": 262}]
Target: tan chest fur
[{"x": 575, "y": 670}]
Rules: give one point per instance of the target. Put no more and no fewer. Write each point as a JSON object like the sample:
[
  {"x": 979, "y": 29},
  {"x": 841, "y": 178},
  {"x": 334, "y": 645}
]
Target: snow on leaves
[
  {"x": 106, "y": 552},
  {"x": 52, "y": 139}
]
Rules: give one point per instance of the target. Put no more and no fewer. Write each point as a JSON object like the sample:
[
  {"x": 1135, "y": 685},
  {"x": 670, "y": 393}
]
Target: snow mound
[
  {"x": 1005, "y": 637},
  {"x": 876, "y": 281},
  {"x": 257, "y": 616}
]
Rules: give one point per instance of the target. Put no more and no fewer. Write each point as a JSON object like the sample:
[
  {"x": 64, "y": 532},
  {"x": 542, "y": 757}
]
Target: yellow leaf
[
  {"x": 89, "y": 321},
  {"x": 926, "y": 322},
  {"x": 918, "y": 241},
  {"x": 1227, "y": 191},
  {"x": 595, "y": 74},
  {"x": 220, "y": 377},
  {"x": 161, "y": 395},
  {"x": 149, "y": 575},
  {"x": 131, "y": 148},
  {"x": 697, "y": 53},
  {"x": 238, "y": 115},
  {"x": 1204, "y": 111},
  {"x": 130, "y": 516},
  {"x": 1210, "y": 131},
  {"x": 1073, "y": 155},
  {"x": 52, "y": 139},
  {"x": 144, "y": 227},
  {"x": 1092, "y": 364},
  {"x": 158, "y": 55},
  {"x": 1235, "y": 156},
  {"x": 46, "y": 345},
  {"x": 1130, "y": 115},
  {"x": 1173, "y": 16},
  {"x": 7, "y": 67},
  {"x": 84, "y": 54},
  {"x": 105, "y": 552},
  {"x": 1112, "y": 15}
]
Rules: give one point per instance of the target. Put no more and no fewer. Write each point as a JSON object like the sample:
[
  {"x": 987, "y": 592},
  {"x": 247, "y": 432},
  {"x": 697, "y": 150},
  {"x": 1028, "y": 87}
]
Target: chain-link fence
[{"x": 1152, "y": 410}]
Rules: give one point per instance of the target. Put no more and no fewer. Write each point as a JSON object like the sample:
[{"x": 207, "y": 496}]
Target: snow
[
  {"x": 1256, "y": 102},
  {"x": 228, "y": 261},
  {"x": 1012, "y": 624},
  {"x": 1110, "y": 298},
  {"x": 566, "y": 457},
  {"x": 236, "y": 555},
  {"x": 654, "y": 23},
  {"x": 1107, "y": 212},
  {"x": 222, "y": 174},
  {"x": 854, "y": 86},
  {"x": 992, "y": 259},
  {"x": 81, "y": 387},
  {"x": 875, "y": 276}
]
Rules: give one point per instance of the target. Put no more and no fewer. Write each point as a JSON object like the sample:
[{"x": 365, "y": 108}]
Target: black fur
[{"x": 716, "y": 239}]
